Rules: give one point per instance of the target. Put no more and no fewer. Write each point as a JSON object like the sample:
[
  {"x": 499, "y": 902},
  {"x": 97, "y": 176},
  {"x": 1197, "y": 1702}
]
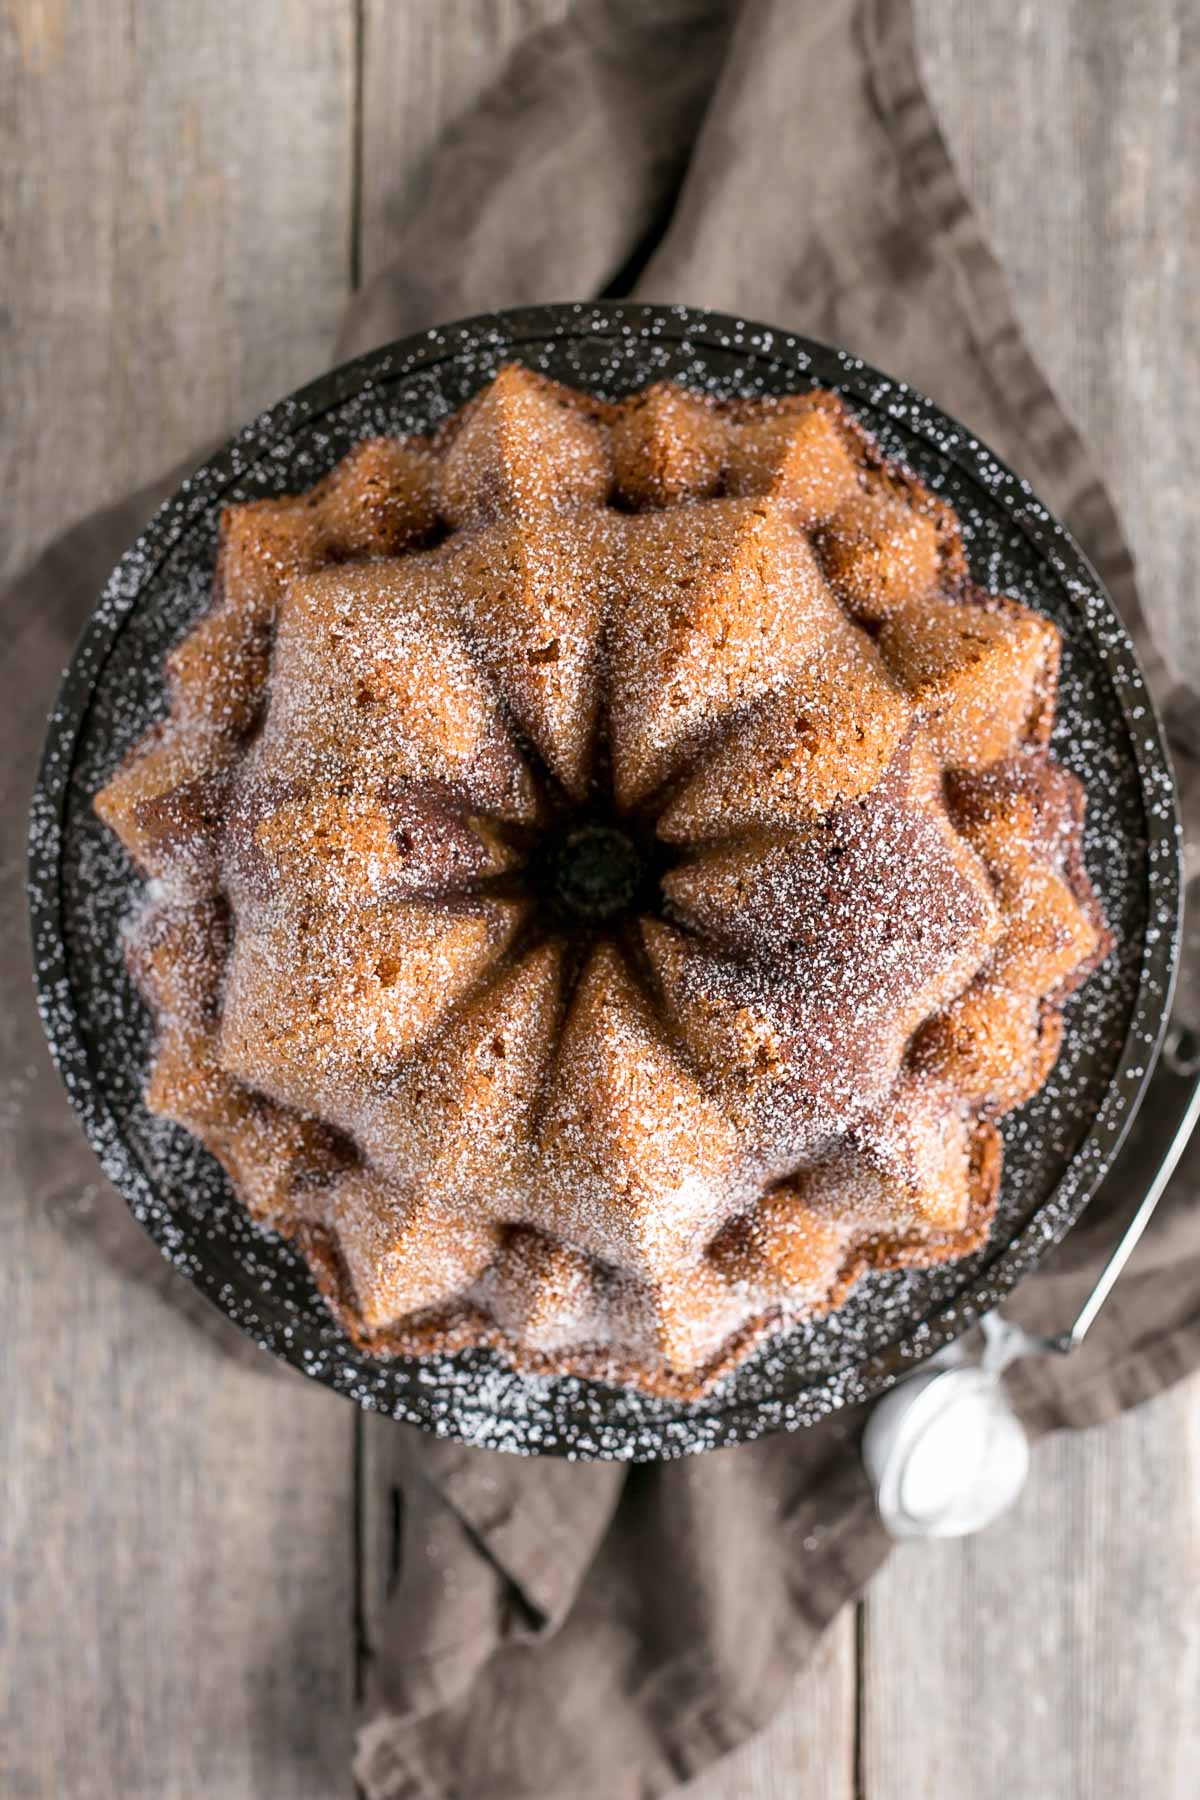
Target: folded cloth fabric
[{"x": 557, "y": 1629}]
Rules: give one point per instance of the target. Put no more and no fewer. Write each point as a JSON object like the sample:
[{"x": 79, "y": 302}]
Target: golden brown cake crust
[{"x": 607, "y": 877}]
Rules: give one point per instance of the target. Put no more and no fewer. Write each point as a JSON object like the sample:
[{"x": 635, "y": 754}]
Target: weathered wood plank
[
  {"x": 180, "y": 1676},
  {"x": 1060, "y": 1652},
  {"x": 176, "y": 1604},
  {"x": 807, "y": 1751},
  {"x": 1057, "y": 1654},
  {"x": 1085, "y": 319},
  {"x": 1077, "y": 131},
  {"x": 423, "y": 64},
  {"x": 175, "y": 189}
]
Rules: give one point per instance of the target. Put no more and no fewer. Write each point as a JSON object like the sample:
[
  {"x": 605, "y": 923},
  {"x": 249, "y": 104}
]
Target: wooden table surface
[{"x": 187, "y": 194}]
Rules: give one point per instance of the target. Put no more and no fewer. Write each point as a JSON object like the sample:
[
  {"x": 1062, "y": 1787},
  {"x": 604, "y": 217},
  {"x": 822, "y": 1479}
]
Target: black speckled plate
[{"x": 1057, "y": 1148}]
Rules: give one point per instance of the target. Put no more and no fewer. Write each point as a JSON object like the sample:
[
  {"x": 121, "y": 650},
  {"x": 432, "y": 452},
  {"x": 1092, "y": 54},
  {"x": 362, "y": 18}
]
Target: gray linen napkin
[{"x": 559, "y": 1630}]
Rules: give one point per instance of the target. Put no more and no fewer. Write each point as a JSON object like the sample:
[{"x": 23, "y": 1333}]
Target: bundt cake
[{"x": 606, "y": 877}]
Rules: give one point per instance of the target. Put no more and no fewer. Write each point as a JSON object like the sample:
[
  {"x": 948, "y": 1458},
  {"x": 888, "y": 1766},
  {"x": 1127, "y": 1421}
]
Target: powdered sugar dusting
[{"x": 469, "y": 1402}]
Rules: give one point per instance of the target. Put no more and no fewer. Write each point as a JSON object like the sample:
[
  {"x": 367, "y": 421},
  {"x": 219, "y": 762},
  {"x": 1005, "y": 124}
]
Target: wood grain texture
[
  {"x": 1076, "y": 128},
  {"x": 175, "y": 186},
  {"x": 176, "y": 1597},
  {"x": 1059, "y": 1653},
  {"x": 423, "y": 63},
  {"x": 807, "y": 1752},
  {"x": 176, "y": 229}
]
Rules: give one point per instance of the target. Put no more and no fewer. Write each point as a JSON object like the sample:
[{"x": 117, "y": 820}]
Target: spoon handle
[{"x": 1171, "y": 1110}]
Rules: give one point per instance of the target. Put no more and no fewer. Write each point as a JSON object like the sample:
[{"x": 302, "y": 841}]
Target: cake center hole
[{"x": 596, "y": 871}]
